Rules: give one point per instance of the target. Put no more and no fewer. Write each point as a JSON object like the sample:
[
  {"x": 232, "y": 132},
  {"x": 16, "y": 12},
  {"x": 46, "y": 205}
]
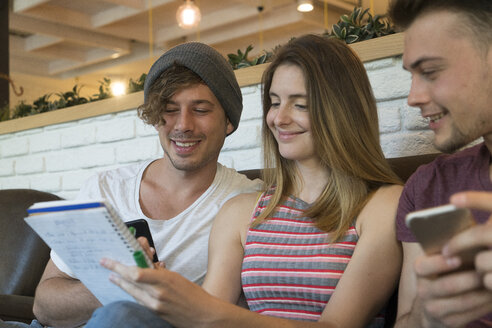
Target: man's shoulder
[
  {"x": 123, "y": 172},
  {"x": 450, "y": 164},
  {"x": 236, "y": 180},
  {"x": 116, "y": 180}
]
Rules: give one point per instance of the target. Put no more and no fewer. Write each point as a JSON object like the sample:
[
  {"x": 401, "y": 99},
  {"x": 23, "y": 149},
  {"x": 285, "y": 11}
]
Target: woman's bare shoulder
[
  {"x": 381, "y": 208},
  {"x": 242, "y": 200}
]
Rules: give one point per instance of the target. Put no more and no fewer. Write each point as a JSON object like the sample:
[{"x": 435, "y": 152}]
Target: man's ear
[{"x": 229, "y": 128}]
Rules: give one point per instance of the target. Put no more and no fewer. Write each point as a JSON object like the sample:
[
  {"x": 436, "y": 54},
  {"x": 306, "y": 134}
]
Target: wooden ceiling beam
[
  {"x": 37, "y": 46},
  {"x": 118, "y": 13},
  {"x": 279, "y": 17},
  {"x": 77, "y": 35},
  {"x": 92, "y": 57},
  {"x": 22, "y": 5},
  {"x": 63, "y": 53},
  {"x": 136, "y": 4},
  {"x": 342, "y": 5},
  {"x": 35, "y": 42},
  {"x": 211, "y": 21},
  {"x": 60, "y": 15},
  {"x": 29, "y": 65}
]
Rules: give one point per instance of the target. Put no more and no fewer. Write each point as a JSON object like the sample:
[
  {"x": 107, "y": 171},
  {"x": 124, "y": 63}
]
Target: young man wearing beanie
[
  {"x": 193, "y": 100},
  {"x": 448, "y": 51}
]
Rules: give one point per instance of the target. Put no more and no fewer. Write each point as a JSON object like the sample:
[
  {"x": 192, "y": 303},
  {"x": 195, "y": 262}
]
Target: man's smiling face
[
  {"x": 195, "y": 128},
  {"x": 451, "y": 79}
]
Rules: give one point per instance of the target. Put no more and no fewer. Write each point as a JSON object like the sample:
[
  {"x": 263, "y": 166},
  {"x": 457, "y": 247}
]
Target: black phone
[{"x": 142, "y": 230}]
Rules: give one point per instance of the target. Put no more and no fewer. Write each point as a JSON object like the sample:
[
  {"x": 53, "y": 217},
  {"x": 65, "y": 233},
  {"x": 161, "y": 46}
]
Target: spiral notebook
[{"x": 83, "y": 232}]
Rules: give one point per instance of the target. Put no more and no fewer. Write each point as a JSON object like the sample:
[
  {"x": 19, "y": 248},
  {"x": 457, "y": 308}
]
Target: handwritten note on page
[{"x": 81, "y": 238}]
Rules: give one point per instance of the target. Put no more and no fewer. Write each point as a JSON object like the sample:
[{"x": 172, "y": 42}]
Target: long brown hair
[{"x": 344, "y": 124}]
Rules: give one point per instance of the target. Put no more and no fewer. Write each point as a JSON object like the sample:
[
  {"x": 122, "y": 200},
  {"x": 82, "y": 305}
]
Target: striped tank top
[{"x": 290, "y": 269}]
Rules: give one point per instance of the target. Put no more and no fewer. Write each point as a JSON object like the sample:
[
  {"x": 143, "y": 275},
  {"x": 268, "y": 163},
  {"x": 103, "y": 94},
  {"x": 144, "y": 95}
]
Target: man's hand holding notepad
[{"x": 82, "y": 233}]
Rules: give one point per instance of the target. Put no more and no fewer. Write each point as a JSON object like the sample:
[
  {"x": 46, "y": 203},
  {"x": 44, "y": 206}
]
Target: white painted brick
[
  {"x": 378, "y": 64},
  {"x": 6, "y": 167},
  {"x": 15, "y": 146},
  {"x": 144, "y": 130},
  {"x": 80, "y": 135},
  {"x": 60, "y": 126},
  {"x": 89, "y": 120},
  {"x": 44, "y": 142},
  {"x": 390, "y": 83},
  {"x": 243, "y": 159},
  {"x": 248, "y": 135},
  {"x": 21, "y": 182},
  {"x": 389, "y": 117},
  {"x": 226, "y": 160},
  {"x": 128, "y": 113},
  {"x": 73, "y": 180},
  {"x": 29, "y": 164},
  {"x": 137, "y": 150},
  {"x": 64, "y": 160},
  {"x": 252, "y": 108},
  {"x": 96, "y": 156},
  {"x": 46, "y": 182},
  {"x": 104, "y": 117},
  {"x": 413, "y": 119},
  {"x": 251, "y": 89},
  {"x": 407, "y": 144},
  {"x": 29, "y": 132},
  {"x": 69, "y": 195},
  {"x": 116, "y": 129}
]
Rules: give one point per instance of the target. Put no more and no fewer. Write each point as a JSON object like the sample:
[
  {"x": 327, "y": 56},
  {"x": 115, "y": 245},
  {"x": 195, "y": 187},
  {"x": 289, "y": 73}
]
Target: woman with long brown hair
[{"x": 317, "y": 248}]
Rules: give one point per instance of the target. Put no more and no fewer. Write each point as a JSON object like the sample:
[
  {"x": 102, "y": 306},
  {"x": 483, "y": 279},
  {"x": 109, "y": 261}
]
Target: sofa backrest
[
  {"x": 403, "y": 166},
  {"x": 23, "y": 255}
]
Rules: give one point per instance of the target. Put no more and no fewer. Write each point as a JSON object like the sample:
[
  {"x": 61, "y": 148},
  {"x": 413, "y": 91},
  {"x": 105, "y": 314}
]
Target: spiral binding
[{"x": 126, "y": 236}]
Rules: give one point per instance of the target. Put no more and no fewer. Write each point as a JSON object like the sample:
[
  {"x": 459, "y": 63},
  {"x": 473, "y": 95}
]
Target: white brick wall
[{"x": 60, "y": 157}]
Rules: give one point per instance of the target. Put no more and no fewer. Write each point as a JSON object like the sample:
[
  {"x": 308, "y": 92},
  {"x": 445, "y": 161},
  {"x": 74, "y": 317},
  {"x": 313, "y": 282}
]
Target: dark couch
[{"x": 23, "y": 255}]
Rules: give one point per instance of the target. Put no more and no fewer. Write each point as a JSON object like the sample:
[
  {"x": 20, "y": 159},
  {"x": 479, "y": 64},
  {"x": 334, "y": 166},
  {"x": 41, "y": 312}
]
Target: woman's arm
[
  {"x": 226, "y": 252},
  {"x": 373, "y": 271}
]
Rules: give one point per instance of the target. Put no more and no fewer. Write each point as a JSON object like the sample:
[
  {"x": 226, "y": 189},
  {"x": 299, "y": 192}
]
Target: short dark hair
[
  {"x": 477, "y": 14},
  {"x": 175, "y": 78}
]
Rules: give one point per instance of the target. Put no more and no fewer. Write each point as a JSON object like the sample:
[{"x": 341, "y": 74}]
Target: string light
[{"x": 188, "y": 15}]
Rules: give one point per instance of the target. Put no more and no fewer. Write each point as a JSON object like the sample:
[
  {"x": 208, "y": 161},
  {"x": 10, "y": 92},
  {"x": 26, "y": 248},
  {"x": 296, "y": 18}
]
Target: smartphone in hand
[
  {"x": 142, "y": 230},
  {"x": 434, "y": 227}
]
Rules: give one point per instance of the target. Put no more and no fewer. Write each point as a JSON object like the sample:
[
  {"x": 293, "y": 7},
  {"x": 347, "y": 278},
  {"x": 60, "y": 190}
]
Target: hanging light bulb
[
  {"x": 304, "y": 5},
  {"x": 188, "y": 15}
]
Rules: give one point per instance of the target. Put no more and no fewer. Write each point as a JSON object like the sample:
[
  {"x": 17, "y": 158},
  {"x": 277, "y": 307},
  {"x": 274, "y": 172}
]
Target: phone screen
[{"x": 142, "y": 230}]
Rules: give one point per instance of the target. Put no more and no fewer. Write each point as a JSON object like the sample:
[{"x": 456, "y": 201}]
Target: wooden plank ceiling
[{"x": 65, "y": 38}]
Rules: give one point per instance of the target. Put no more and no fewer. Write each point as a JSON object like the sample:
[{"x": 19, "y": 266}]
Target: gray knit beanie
[{"x": 211, "y": 67}]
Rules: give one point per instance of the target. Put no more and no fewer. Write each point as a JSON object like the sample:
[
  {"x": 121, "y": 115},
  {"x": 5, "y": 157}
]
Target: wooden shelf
[{"x": 383, "y": 47}]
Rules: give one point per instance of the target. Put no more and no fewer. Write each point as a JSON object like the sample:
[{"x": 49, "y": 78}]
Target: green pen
[
  {"x": 133, "y": 231},
  {"x": 139, "y": 258}
]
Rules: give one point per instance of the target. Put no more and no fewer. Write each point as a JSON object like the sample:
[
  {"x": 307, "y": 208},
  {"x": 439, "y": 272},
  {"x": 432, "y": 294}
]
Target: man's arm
[
  {"x": 432, "y": 295},
  {"x": 409, "y": 308},
  {"x": 477, "y": 237},
  {"x": 61, "y": 300}
]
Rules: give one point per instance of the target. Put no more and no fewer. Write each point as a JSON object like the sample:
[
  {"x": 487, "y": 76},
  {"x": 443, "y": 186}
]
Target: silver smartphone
[{"x": 433, "y": 227}]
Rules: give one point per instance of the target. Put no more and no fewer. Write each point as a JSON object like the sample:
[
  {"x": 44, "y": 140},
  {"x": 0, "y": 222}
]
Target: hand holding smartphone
[
  {"x": 435, "y": 226},
  {"x": 142, "y": 230}
]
